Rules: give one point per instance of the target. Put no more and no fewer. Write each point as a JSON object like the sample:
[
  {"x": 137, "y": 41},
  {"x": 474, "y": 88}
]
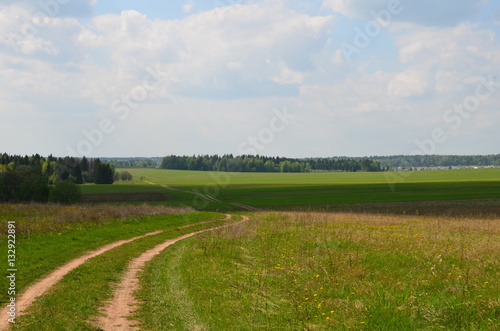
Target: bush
[
  {"x": 65, "y": 192},
  {"x": 126, "y": 176},
  {"x": 24, "y": 184}
]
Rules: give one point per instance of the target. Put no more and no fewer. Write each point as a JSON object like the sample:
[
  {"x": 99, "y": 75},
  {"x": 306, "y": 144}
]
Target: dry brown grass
[{"x": 31, "y": 218}]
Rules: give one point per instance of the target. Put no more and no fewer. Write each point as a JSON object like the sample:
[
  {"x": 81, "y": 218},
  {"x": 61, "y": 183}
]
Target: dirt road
[
  {"x": 43, "y": 285},
  {"x": 118, "y": 311}
]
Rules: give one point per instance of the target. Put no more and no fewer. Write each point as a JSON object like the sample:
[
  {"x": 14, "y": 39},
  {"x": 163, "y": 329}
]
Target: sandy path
[
  {"x": 121, "y": 307},
  {"x": 41, "y": 286}
]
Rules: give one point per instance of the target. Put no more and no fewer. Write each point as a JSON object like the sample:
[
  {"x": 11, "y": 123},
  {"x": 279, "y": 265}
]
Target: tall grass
[
  {"x": 317, "y": 271},
  {"x": 48, "y": 236},
  {"x": 47, "y": 218}
]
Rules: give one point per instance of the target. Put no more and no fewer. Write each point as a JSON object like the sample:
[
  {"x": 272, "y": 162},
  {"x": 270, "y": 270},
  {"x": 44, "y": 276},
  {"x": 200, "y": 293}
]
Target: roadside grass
[
  {"x": 335, "y": 271},
  {"x": 48, "y": 236},
  {"x": 73, "y": 303},
  {"x": 35, "y": 218}
]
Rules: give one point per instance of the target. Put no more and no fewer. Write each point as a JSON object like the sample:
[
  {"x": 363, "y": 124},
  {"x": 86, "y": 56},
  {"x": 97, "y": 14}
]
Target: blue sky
[{"x": 282, "y": 77}]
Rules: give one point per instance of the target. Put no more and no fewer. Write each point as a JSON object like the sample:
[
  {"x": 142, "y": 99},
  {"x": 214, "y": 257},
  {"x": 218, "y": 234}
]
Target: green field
[
  {"x": 329, "y": 271},
  {"x": 180, "y": 178},
  {"x": 303, "y": 191},
  {"x": 331, "y": 251}
]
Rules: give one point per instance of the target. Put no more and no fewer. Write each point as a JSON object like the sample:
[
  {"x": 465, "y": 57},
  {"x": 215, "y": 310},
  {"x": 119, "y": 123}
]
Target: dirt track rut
[
  {"x": 44, "y": 284},
  {"x": 117, "y": 312}
]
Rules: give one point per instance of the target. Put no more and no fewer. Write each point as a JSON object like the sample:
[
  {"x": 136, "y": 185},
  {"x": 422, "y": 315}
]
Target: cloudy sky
[{"x": 274, "y": 77}]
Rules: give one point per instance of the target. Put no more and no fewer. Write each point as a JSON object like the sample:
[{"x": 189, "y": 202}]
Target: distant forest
[
  {"x": 250, "y": 163},
  {"x": 133, "y": 162},
  {"x": 40, "y": 179},
  {"x": 405, "y": 161},
  {"x": 78, "y": 170}
]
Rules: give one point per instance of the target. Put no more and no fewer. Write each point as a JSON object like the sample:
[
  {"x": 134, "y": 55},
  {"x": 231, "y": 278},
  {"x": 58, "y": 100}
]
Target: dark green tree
[
  {"x": 104, "y": 174},
  {"x": 65, "y": 192},
  {"x": 77, "y": 174},
  {"x": 85, "y": 164},
  {"x": 25, "y": 184}
]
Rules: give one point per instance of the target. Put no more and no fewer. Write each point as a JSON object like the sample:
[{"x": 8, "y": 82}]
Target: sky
[{"x": 317, "y": 78}]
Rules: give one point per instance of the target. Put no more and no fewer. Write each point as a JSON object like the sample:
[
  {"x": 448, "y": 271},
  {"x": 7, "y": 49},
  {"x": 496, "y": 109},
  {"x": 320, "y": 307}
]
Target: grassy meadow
[
  {"x": 329, "y": 251},
  {"x": 48, "y": 236},
  {"x": 329, "y": 271}
]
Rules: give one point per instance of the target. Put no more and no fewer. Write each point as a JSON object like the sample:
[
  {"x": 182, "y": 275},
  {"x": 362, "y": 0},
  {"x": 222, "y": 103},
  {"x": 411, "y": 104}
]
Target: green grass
[
  {"x": 315, "y": 271},
  {"x": 368, "y": 272},
  {"x": 73, "y": 303},
  {"x": 50, "y": 235},
  {"x": 285, "y": 191},
  {"x": 178, "y": 178}
]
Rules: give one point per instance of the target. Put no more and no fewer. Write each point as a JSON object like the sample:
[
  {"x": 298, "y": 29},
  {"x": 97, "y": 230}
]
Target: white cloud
[
  {"x": 188, "y": 7},
  {"x": 422, "y": 12},
  {"x": 288, "y": 76},
  {"x": 272, "y": 45},
  {"x": 447, "y": 61},
  {"x": 414, "y": 82},
  {"x": 72, "y": 8},
  {"x": 464, "y": 43},
  {"x": 225, "y": 73}
]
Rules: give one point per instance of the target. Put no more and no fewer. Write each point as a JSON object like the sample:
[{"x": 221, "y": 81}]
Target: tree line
[
  {"x": 77, "y": 170},
  {"x": 133, "y": 162},
  {"x": 41, "y": 179},
  {"x": 405, "y": 161},
  {"x": 250, "y": 163}
]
